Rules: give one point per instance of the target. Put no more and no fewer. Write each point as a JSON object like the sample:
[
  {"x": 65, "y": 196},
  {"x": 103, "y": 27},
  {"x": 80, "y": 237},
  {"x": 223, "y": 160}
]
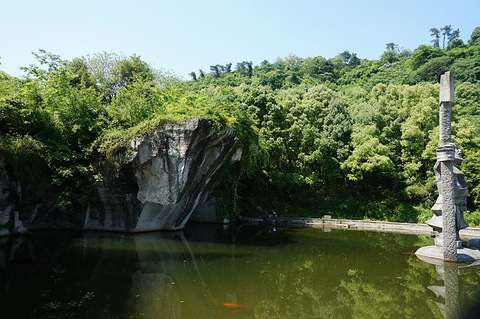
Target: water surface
[{"x": 210, "y": 271}]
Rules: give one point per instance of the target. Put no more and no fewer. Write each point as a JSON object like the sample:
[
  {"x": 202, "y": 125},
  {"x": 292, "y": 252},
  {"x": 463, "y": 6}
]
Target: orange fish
[{"x": 232, "y": 305}]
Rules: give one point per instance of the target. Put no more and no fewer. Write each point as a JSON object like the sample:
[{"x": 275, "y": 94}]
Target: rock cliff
[{"x": 167, "y": 175}]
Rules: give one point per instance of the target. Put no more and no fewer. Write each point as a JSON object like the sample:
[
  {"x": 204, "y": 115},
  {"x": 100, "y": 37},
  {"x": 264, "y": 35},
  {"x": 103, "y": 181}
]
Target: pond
[{"x": 211, "y": 271}]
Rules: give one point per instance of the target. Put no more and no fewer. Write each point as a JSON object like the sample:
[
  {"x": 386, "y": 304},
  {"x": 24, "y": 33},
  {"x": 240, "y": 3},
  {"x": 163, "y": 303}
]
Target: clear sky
[{"x": 187, "y": 35}]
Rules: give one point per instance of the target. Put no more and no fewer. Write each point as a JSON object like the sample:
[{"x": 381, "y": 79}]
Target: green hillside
[{"x": 344, "y": 136}]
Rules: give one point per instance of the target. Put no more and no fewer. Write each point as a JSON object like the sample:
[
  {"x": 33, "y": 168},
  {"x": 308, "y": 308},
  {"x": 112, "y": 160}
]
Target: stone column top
[{"x": 446, "y": 88}]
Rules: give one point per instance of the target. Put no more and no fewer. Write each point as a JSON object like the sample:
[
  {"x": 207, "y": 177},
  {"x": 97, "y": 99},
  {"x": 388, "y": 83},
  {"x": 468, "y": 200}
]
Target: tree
[
  {"x": 455, "y": 43},
  {"x": 375, "y": 135},
  {"x": 250, "y": 69},
  {"x": 454, "y": 35},
  {"x": 345, "y": 56},
  {"x": 258, "y": 100},
  {"x": 389, "y": 56},
  {"x": 422, "y": 54},
  {"x": 78, "y": 107},
  {"x": 436, "y": 34},
  {"x": 467, "y": 100},
  {"x": 215, "y": 70},
  {"x": 134, "y": 69},
  {"x": 369, "y": 156},
  {"x": 52, "y": 61},
  {"x": 193, "y": 75},
  {"x": 112, "y": 72},
  {"x": 348, "y": 59},
  {"x": 448, "y": 34},
  {"x": 435, "y": 67},
  {"x": 103, "y": 67},
  {"x": 318, "y": 68},
  {"x": 354, "y": 60},
  {"x": 474, "y": 36},
  {"x": 245, "y": 68},
  {"x": 419, "y": 139},
  {"x": 333, "y": 142},
  {"x": 82, "y": 77},
  {"x": 446, "y": 31},
  {"x": 392, "y": 46},
  {"x": 136, "y": 103}
]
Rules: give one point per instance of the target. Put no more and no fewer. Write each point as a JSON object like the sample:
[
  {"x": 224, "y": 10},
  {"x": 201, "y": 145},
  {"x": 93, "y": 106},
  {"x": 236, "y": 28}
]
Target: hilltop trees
[
  {"x": 447, "y": 33},
  {"x": 366, "y": 126},
  {"x": 425, "y": 63}
]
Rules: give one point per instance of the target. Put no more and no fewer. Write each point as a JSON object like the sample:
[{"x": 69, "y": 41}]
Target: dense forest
[{"x": 345, "y": 136}]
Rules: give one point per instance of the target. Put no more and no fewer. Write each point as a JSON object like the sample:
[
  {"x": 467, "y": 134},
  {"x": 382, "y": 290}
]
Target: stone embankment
[{"x": 367, "y": 225}]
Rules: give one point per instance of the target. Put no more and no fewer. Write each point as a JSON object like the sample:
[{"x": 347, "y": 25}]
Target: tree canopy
[{"x": 346, "y": 136}]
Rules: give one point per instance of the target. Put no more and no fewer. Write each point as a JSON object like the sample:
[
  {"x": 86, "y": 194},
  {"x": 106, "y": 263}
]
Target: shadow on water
[
  {"x": 248, "y": 234},
  {"x": 211, "y": 271}
]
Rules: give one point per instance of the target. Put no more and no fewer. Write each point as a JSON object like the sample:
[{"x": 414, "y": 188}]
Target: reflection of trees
[
  {"x": 297, "y": 290},
  {"x": 65, "y": 300},
  {"x": 341, "y": 276},
  {"x": 367, "y": 300},
  {"x": 470, "y": 277},
  {"x": 418, "y": 276},
  {"x": 403, "y": 296},
  {"x": 455, "y": 290},
  {"x": 295, "y": 273},
  {"x": 433, "y": 291},
  {"x": 89, "y": 278}
]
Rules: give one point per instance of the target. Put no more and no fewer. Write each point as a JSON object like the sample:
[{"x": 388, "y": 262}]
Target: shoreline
[
  {"x": 326, "y": 223},
  {"x": 367, "y": 225}
]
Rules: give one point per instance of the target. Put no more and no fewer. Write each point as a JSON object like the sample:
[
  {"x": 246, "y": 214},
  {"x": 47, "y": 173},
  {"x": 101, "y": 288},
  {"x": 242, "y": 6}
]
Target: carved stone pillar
[{"x": 448, "y": 210}]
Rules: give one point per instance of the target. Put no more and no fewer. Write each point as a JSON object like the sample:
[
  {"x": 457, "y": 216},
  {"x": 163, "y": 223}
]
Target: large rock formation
[{"x": 167, "y": 174}]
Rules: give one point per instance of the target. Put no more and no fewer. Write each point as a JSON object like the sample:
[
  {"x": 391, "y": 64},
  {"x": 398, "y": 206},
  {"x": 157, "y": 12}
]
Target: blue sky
[{"x": 187, "y": 35}]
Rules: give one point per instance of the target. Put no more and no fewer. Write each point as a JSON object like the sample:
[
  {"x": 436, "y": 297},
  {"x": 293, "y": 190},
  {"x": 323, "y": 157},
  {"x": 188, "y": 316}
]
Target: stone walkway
[{"x": 392, "y": 227}]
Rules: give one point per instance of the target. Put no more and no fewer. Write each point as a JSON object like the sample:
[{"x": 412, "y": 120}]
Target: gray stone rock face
[{"x": 167, "y": 174}]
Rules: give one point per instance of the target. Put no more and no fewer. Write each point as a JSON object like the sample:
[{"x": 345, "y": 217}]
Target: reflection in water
[
  {"x": 212, "y": 272},
  {"x": 452, "y": 303},
  {"x": 448, "y": 290}
]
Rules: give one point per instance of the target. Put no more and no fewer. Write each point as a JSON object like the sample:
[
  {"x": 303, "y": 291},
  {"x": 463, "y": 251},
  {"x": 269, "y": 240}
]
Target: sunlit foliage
[{"x": 346, "y": 136}]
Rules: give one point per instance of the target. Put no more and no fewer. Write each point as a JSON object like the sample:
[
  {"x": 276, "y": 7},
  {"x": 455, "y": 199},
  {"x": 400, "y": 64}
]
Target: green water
[{"x": 215, "y": 272}]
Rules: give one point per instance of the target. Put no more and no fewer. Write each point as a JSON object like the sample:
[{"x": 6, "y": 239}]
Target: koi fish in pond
[{"x": 234, "y": 307}]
